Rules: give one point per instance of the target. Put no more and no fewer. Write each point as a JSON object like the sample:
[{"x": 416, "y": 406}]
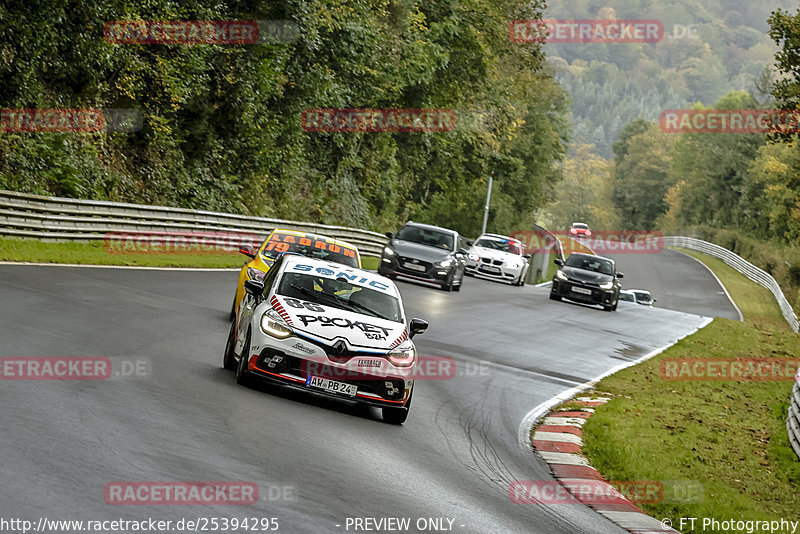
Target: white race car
[
  {"x": 327, "y": 328},
  {"x": 498, "y": 257}
]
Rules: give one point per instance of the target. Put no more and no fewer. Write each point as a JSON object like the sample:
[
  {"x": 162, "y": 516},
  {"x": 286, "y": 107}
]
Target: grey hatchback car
[{"x": 426, "y": 253}]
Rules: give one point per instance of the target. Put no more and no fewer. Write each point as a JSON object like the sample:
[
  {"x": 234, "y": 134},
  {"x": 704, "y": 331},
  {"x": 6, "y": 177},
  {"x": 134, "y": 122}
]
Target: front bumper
[
  {"x": 605, "y": 297},
  {"x": 423, "y": 271},
  {"x": 274, "y": 364},
  {"x": 493, "y": 272}
]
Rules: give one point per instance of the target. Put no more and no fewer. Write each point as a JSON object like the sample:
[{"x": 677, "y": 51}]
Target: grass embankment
[
  {"x": 96, "y": 253},
  {"x": 719, "y": 447}
]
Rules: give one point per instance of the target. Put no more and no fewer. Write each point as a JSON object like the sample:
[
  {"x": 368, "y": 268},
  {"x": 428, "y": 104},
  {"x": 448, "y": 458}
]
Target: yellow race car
[{"x": 282, "y": 240}]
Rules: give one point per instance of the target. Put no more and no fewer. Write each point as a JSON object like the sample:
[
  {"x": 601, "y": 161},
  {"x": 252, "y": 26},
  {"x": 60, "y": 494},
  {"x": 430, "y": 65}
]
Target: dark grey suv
[
  {"x": 426, "y": 253},
  {"x": 589, "y": 279}
]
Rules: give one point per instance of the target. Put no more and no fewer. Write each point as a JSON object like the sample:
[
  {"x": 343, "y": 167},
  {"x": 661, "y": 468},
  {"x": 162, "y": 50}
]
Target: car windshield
[
  {"x": 425, "y": 236},
  {"x": 582, "y": 226},
  {"x": 310, "y": 246},
  {"x": 644, "y": 297},
  {"x": 589, "y": 263},
  {"x": 341, "y": 294},
  {"x": 627, "y": 297},
  {"x": 495, "y": 244}
]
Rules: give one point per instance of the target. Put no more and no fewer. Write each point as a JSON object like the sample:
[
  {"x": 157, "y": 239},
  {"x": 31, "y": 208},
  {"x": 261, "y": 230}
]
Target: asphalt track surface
[{"x": 63, "y": 441}]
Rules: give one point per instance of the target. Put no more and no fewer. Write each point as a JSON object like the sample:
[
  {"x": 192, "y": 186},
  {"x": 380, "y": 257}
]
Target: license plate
[
  {"x": 582, "y": 290},
  {"x": 332, "y": 386},
  {"x": 414, "y": 266},
  {"x": 488, "y": 269}
]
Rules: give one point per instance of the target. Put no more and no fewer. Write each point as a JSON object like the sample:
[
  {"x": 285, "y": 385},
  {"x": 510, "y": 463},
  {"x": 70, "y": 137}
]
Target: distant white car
[
  {"x": 498, "y": 257},
  {"x": 639, "y": 296}
]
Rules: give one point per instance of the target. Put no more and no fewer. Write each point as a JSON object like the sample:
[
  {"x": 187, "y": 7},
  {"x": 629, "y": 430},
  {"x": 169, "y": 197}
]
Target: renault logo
[{"x": 339, "y": 348}]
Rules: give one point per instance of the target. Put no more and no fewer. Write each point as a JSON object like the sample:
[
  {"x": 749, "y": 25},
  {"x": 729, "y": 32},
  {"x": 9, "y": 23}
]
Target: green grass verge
[
  {"x": 95, "y": 253},
  {"x": 719, "y": 448}
]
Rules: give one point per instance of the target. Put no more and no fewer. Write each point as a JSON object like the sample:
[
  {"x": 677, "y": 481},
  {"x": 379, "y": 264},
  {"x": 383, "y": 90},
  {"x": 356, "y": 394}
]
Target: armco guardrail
[
  {"x": 56, "y": 218},
  {"x": 793, "y": 419},
  {"x": 752, "y": 272}
]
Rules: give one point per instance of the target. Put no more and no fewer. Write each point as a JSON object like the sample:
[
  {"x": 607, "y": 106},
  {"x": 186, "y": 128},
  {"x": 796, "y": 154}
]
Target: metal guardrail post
[
  {"x": 793, "y": 417},
  {"x": 56, "y": 218}
]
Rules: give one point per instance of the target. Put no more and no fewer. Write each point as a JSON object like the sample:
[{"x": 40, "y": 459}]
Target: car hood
[
  {"x": 582, "y": 275},
  {"x": 421, "y": 252},
  {"x": 494, "y": 254},
  {"x": 361, "y": 331}
]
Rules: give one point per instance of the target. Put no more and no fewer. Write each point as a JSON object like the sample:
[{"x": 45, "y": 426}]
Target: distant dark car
[
  {"x": 589, "y": 279},
  {"x": 579, "y": 229},
  {"x": 427, "y": 254}
]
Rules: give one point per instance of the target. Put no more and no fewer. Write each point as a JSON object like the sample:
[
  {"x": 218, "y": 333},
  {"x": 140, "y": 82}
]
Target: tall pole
[{"x": 486, "y": 208}]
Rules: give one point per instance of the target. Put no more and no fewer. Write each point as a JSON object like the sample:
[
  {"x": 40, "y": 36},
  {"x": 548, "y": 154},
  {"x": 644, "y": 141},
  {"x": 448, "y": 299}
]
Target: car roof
[
  {"x": 498, "y": 236},
  {"x": 590, "y": 256},
  {"x": 430, "y": 227},
  {"x": 318, "y": 237},
  {"x": 333, "y": 270}
]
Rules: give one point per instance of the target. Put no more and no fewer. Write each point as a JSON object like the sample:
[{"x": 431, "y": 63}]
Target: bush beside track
[{"x": 730, "y": 436}]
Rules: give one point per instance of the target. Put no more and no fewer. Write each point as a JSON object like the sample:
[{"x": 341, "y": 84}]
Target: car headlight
[
  {"x": 274, "y": 325},
  {"x": 446, "y": 263},
  {"x": 606, "y": 285},
  {"x": 473, "y": 257},
  {"x": 255, "y": 274},
  {"x": 561, "y": 276},
  {"x": 388, "y": 251},
  {"x": 404, "y": 355}
]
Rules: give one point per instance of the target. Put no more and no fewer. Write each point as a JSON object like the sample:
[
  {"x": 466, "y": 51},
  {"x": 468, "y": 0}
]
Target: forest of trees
[
  {"x": 740, "y": 190},
  {"x": 708, "y": 49},
  {"x": 221, "y": 128}
]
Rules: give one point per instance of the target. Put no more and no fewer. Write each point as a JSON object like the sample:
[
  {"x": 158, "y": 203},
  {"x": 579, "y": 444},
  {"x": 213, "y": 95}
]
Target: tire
[
  {"x": 460, "y": 283},
  {"x": 448, "y": 285},
  {"x": 553, "y": 296},
  {"x": 396, "y": 416},
  {"x": 242, "y": 374},
  {"x": 614, "y": 307},
  {"x": 228, "y": 362},
  {"x": 521, "y": 281},
  {"x": 233, "y": 308}
]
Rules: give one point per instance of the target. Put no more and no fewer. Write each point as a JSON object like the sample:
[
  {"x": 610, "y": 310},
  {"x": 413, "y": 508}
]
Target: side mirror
[
  {"x": 248, "y": 251},
  {"x": 417, "y": 326},
  {"x": 526, "y": 256},
  {"x": 470, "y": 242},
  {"x": 559, "y": 261},
  {"x": 389, "y": 235},
  {"x": 254, "y": 287},
  {"x": 620, "y": 275}
]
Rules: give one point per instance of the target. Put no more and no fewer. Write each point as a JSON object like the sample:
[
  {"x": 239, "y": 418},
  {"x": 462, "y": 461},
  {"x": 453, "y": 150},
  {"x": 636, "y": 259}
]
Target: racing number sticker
[{"x": 296, "y": 303}]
